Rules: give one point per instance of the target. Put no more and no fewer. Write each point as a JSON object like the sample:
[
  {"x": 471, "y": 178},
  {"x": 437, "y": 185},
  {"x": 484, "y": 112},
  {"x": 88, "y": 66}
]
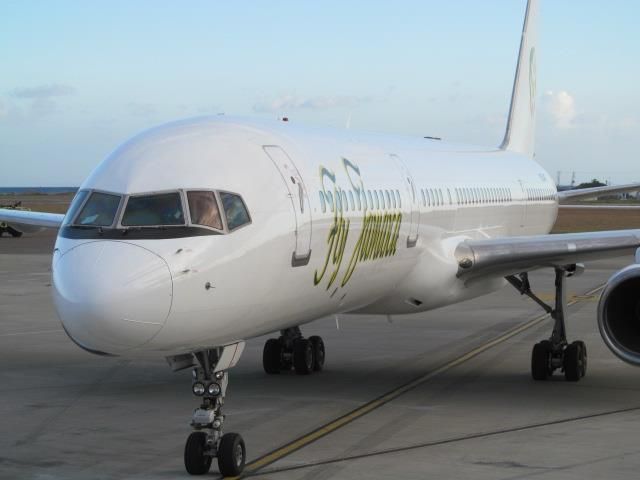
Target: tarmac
[{"x": 444, "y": 394}]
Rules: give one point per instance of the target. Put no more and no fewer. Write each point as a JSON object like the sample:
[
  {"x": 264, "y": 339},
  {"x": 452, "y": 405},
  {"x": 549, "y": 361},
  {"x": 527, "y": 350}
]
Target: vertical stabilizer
[{"x": 520, "y": 134}]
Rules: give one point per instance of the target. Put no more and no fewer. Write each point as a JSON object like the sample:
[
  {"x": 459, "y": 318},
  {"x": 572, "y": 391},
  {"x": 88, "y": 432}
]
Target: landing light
[
  {"x": 214, "y": 389},
  {"x": 198, "y": 389}
]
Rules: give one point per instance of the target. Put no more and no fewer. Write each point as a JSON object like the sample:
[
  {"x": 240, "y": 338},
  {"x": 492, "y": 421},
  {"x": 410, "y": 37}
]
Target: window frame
[
  {"x": 90, "y": 192},
  {"x": 71, "y": 219},
  {"x": 183, "y": 202},
  {"x": 223, "y": 215}
]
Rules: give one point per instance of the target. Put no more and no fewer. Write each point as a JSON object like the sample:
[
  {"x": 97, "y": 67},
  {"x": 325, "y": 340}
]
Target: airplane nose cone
[{"x": 112, "y": 296}]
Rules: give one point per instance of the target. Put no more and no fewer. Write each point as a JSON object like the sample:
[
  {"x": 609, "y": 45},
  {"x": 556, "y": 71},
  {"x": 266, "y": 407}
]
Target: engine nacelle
[{"x": 619, "y": 314}]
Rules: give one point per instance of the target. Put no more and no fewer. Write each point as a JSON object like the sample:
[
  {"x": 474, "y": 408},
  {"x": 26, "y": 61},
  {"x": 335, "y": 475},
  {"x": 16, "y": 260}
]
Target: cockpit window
[
  {"x": 156, "y": 210},
  {"x": 76, "y": 203},
  {"x": 99, "y": 210},
  {"x": 204, "y": 209},
  {"x": 235, "y": 210}
]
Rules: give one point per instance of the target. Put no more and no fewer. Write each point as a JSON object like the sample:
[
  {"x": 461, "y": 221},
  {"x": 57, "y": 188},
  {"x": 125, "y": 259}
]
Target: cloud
[
  {"x": 561, "y": 106},
  {"x": 41, "y": 99},
  {"x": 295, "y": 102},
  {"x": 43, "y": 91}
]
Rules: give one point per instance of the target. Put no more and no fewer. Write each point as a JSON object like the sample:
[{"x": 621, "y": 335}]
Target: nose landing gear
[
  {"x": 292, "y": 350},
  {"x": 210, "y": 380}
]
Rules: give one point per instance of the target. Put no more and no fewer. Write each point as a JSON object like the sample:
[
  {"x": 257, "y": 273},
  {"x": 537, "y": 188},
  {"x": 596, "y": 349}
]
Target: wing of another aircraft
[
  {"x": 513, "y": 255},
  {"x": 586, "y": 193},
  {"x": 603, "y": 206},
  {"x": 32, "y": 219}
]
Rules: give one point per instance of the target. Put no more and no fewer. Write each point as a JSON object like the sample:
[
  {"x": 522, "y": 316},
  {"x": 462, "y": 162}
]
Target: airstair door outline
[
  {"x": 414, "y": 218},
  {"x": 299, "y": 202}
]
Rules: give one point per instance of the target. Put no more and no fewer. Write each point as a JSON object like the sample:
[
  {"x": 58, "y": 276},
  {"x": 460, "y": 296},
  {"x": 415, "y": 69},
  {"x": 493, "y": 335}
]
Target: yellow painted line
[{"x": 340, "y": 422}]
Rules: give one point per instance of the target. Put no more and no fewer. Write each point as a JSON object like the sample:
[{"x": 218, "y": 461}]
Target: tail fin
[{"x": 520, "y": 133}]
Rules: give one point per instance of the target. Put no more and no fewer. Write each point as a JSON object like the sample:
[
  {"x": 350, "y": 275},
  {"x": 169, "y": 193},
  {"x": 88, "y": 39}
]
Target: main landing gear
[
  {"x": 554, "y": 353},
  {"x": 292, "y": 350},
  {"x": 210, "y": 379}
]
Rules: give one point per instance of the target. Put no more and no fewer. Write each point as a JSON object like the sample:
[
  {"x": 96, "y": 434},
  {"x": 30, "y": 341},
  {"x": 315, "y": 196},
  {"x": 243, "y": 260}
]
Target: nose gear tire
[
  {"x": 195, "y": 460},
  {"x": 231, "y": 455}
]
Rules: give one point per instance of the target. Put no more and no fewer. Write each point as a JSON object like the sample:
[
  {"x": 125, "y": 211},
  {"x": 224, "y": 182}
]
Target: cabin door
[
  {"x": 412, "y": 196},
  {"x": 299, "y": 197}
]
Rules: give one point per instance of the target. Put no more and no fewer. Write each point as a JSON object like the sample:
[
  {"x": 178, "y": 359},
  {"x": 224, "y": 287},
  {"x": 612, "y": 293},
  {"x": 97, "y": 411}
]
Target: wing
[
  {"x": 512, "y": 255},
  {"x": 31, "y": 219},
  {"x": 603, "y": 206},
  {"x": 585, "y": 193}
]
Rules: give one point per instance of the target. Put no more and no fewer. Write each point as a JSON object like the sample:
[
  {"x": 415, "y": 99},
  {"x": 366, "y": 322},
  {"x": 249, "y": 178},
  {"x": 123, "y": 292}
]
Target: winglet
[{"x": 520, "y": 133}]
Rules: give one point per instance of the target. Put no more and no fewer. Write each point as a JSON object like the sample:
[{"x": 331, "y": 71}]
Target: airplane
[{"x": 197, "y": 235}]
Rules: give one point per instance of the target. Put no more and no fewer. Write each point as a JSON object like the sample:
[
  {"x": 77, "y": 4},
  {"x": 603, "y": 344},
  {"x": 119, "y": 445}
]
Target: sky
[{"x": 78, "y": 78}]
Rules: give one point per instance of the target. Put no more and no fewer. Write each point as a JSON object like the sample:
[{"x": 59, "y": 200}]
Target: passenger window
[
  {"x": 235, "y": 210},
  {"x": 154, "y": 210},
  {"x": 323, "y": 203},
  {"x": 330, "y": 200},
  {"x": 76, "y": 203},
  {"x": 204, "y": 210},
  {"x": 99, "y": 210}
]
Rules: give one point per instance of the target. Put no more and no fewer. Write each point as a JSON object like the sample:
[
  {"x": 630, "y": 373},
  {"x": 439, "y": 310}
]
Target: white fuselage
[{"x": 385, "y": 247}]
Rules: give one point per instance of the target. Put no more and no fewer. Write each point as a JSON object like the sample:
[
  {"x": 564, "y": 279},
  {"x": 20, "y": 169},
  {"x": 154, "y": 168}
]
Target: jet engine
[{"x": 619, "y": 314}]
